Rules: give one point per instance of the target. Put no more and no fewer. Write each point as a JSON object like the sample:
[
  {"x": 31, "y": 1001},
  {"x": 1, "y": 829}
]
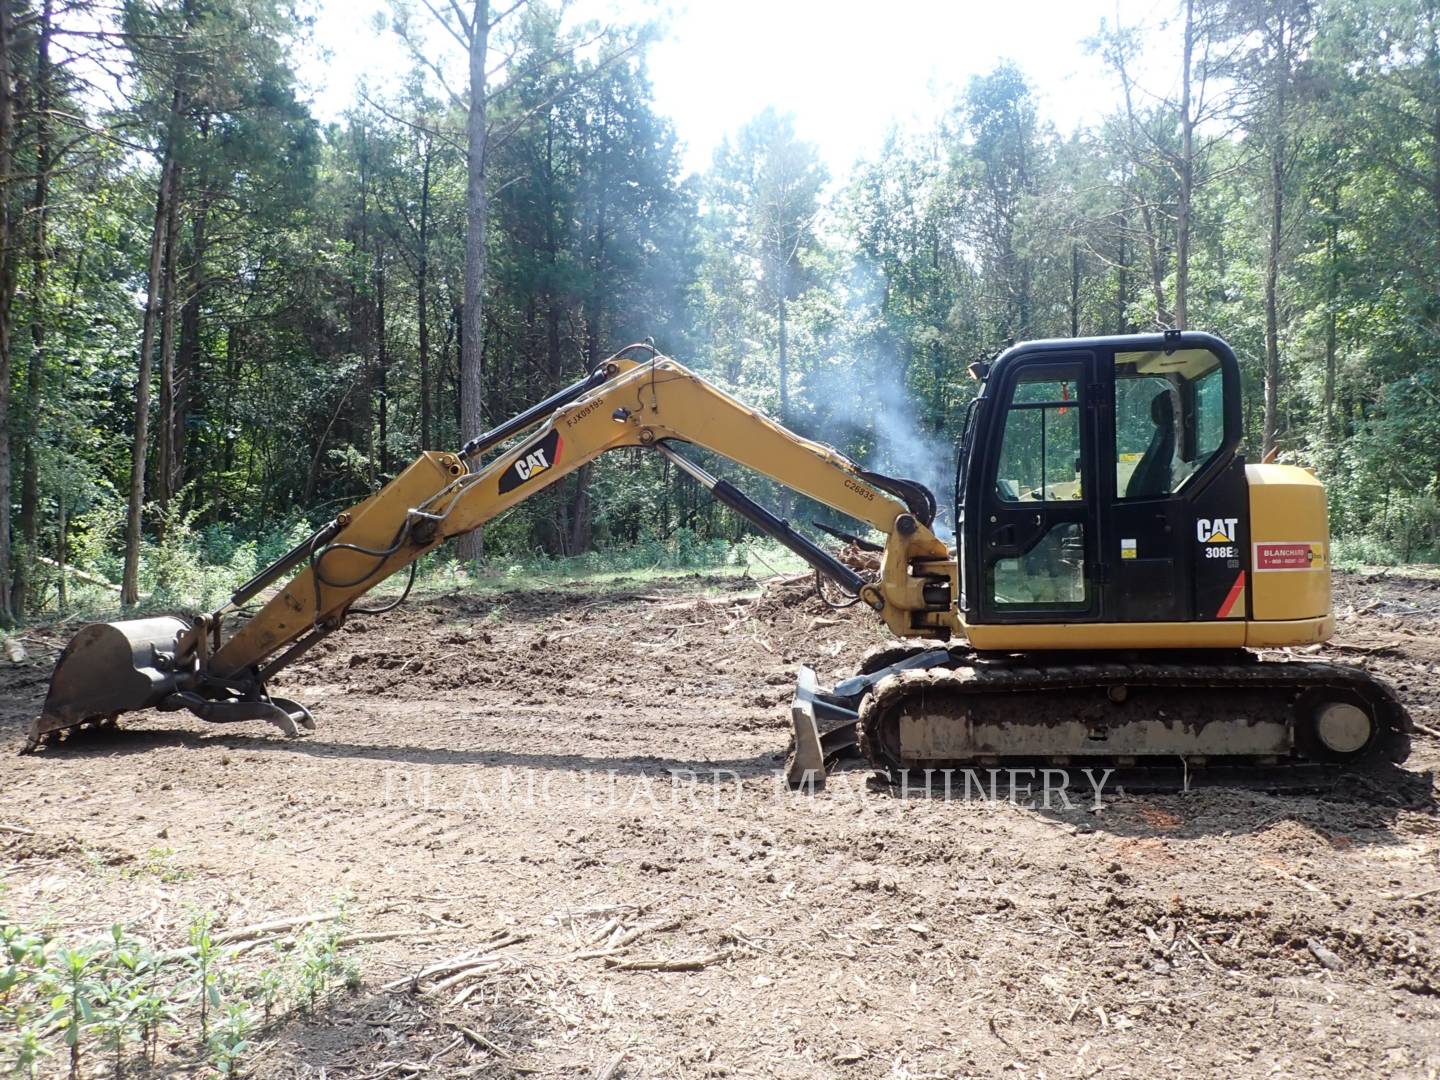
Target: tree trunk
[
  {"x": 165, "y": 484},
  {"x": 472, "y": 388},
  {"x": 232, "y": 378},
  {"x": 582, "y": 519},
  {"x": 1283, "y": 31},
  {"x": 1278, "y": 144},
  {"x": 1187, "y": 175},
  {"x": 1332, "y": 239},
  {"x": 61, "y": 526},
  {"x": 1272, "y": 315},
  {"x": 1122, "y": 277},
  {"x": 784, "y": 364},
  {"x": 130, "y": 579},
  {"x": 39, "y": 282},
  {"x": 187, "y": 360},
  {"x": 8, "y": 231},
  {"x": 382, "y": 362},
  {"x": 1074, "y": 290},
  {"x": 422, "y": 299},
  {"x": 1142, "y": 203}
]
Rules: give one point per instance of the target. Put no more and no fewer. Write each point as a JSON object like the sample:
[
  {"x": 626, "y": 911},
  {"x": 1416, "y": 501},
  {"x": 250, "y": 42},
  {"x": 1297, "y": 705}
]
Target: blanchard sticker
[
  {"x": 533, "y": 460},
  {"x": 1128, "y": 549},
  {"x": 1289, "y": 556}
]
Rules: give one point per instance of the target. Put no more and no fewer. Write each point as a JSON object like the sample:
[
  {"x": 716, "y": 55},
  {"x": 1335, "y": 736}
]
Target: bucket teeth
[{"x": 45, "y": 731}]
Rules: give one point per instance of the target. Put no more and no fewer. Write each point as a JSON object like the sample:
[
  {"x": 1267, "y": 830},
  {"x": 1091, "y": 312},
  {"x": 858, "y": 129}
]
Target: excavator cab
[{"x": 1087, "y": 466}]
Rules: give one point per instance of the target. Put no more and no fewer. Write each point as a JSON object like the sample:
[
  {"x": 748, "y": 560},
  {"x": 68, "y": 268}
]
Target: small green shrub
[
  {"x": 231, "y": 1039},
  {"x": 105, "y": 997}
]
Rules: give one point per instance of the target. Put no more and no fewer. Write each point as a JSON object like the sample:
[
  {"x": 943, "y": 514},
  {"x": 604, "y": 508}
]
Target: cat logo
[
  {"x": 1216, "y": 530},
  {"x": 539, "y": 457},
  {"x": 534, "y": 462},
  {"x": 1218, "y": 536}
]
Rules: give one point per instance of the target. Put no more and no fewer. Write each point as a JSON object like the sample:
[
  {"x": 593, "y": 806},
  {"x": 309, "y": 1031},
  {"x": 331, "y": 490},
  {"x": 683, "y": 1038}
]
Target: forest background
[{"x": 222, "y": 321}]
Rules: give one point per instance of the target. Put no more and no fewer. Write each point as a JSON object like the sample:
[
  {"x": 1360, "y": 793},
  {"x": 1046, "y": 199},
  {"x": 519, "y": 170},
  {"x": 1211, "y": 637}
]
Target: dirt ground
[{"x": 585, "y": 781}]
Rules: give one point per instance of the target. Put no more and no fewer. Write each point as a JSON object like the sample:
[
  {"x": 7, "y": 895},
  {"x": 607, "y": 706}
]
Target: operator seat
[{"x": 1155, "y": 472}]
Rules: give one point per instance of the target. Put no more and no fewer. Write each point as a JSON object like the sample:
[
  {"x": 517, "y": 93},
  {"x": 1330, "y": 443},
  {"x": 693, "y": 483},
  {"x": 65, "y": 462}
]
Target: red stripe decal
[{"x": 1232, "y": 596}]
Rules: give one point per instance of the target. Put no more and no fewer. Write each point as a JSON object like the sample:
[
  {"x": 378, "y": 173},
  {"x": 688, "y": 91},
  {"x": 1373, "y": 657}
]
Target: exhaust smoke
[{"x": 878, "y": 403}]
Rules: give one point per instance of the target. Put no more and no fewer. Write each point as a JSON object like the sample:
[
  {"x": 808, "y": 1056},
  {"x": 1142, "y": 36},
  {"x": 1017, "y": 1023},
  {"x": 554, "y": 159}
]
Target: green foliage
[
  {"x": 204, "y": 953},
  {"x": 231, "y": 1038},
  {"x": 104, "y": 998},
  {"x": 318, "y": 966},
  {"x": 316, "y": 348}
]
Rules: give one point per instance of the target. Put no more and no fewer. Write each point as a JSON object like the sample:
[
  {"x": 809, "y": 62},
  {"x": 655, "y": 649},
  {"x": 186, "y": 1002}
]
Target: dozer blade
[
  {"x": 811, "y": 706},
  {"x": 107, "y": 669},
  {"x": 836, "y": 711}
]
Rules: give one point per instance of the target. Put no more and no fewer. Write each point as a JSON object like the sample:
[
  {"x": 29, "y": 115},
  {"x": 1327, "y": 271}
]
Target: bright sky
[{"x": 847, "y": 69}]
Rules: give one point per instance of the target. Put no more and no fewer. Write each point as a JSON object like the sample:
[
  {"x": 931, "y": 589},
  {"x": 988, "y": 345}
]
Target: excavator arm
[{"x": 654, "y": 403}]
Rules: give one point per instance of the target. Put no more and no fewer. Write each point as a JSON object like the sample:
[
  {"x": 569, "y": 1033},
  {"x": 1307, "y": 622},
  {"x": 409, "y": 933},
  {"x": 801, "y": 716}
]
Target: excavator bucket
[{"x": 107, "y": 669}]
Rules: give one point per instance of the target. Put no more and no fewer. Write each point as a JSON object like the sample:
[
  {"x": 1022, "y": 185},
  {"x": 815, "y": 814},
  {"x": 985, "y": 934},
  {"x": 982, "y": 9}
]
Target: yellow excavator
[{"x": 1115, "y": 563}]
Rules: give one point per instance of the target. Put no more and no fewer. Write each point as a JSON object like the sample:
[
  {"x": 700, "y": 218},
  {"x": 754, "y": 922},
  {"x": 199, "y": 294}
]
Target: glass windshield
[
  {"x": 1040, "y": 450},
  {"x": 1169, "y": 419}
]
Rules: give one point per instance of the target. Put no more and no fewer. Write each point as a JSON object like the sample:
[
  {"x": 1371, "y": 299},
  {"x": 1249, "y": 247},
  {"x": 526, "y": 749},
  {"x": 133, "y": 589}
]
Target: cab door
[
  {"x": 1036, "y": 528},
  {"x": 1170, "y": 469}
]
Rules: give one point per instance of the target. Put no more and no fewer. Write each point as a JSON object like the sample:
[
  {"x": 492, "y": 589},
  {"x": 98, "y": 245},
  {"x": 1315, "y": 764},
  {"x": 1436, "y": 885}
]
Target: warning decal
[{"x": 1289, "y": 556}]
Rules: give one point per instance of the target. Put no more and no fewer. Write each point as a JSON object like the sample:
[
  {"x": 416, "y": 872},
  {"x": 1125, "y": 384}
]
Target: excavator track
[{"x": 1234, "y": 709}]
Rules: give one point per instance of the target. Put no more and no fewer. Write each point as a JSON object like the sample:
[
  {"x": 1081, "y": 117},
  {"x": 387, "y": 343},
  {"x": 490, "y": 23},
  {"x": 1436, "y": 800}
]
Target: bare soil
[{"x": 555, "y": 770}]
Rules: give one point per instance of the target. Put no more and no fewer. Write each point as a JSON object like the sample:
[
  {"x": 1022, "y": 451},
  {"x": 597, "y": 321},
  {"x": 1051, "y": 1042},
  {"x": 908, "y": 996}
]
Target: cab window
[
  {"x": 1169, "y": 419},
  {"x": 1040, "y": 450}
]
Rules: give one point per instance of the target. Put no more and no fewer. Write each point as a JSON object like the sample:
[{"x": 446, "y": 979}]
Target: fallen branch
[
  {"x": 81, "y": 574},
  {"x": 17, "y": 830},
  {"x": 244, "y": 933},
  {"x": 485, "y": 967},
  {"x": 654, "y": 928},
  {"x": 621, "y": 939},
  {"x": 1414, "y": 895},
  {"x": 1302, "y": 883},
  {"x": 606, "y": 930},
  {"x": 1201, "y": 950},
  {"x": 251, "y": 937},
  {"x": 684, "y": 963},
  {"x": 480, "y": 1040},
  {"x": 456, "y": 963},
  {"x": 391, "y": 935},
  {"x": 608, "y": 1071}
]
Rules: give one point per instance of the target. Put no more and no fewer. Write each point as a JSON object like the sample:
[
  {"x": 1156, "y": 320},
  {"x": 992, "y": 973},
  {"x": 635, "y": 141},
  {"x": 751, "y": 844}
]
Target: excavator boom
[{"x": 650, "y": 404}]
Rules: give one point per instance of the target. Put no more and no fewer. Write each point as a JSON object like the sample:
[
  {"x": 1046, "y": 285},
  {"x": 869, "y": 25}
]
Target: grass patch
[{"x": 159, "y": 863}]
